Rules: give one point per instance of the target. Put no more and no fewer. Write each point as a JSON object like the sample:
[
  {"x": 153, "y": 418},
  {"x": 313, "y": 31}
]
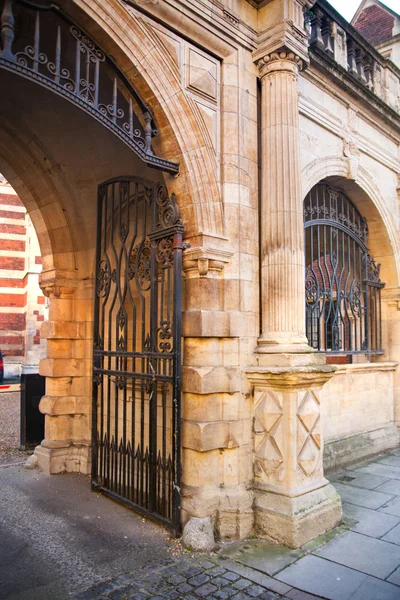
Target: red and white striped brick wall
[{"x": 22, "y": 305}]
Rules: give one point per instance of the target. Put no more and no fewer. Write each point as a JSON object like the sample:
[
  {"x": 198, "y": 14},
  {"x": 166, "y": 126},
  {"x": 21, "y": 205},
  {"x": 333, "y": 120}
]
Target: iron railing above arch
[
  {"x": 343, "y": 286},
  {"x": 42, "y": 44}
]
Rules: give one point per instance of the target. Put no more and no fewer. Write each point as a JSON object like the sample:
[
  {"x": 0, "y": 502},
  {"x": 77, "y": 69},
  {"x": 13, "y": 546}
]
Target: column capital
[
  {"x": 58, "y": 284},
  {"x": 280, "y": 61},
  {"x": 284, "y": 28}
]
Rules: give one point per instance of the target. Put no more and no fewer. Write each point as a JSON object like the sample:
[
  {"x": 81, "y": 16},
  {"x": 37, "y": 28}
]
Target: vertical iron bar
[
  {"x": 78, "y": 68},
  {"x": 115, "y": 92},
  {"x": 95, "y": 438},
  {"x": 36, "y": 42},
  {"x": 148, "y": 130},
  {"x": 58, "y": 56},
  {"x": 96, "y": 83},
  {"x": 176, "y": 422},
  {"x": 154, "y": 324},
  {"x": 130, "y": 118},
  {"x": 7, "y": 30}
]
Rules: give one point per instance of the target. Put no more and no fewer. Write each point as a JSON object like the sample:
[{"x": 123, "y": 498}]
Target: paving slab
[
  {"x": 370, "y": 522},
  {"x": 366, "y": 554},
  {"x": 392, "y": 507},
  {"x": 381, "y": 470},
  {"x": 393, "y": 461},
  {"x": 362, "y": 497},
  {"x": 392, "y": 486},
  {"x": 362, "y": 480},
  {"x": 376, "y": 589},
  {"x": 262, "y": 555},
  {"x": 255, "y": 576},
  {"x": 393, "y": 535},
  {"x": 395, "y": 577},
  {"x": 322, "y": 578},
  {"x": 300, "y": 595}
]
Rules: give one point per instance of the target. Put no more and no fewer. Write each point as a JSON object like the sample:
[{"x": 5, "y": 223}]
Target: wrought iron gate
[{"x": 137, "y": 356}]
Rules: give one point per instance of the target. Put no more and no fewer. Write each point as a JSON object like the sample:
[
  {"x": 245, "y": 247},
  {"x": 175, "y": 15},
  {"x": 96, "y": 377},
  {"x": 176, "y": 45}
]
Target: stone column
[
  {"x": 282, "y": 237},
  {"x": 66, "y": 405},
  {"x": 293, "y": 502}
]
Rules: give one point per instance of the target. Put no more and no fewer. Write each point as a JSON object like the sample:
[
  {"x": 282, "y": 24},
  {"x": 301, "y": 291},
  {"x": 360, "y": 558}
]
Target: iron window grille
[{"x": 342, "y": 279}]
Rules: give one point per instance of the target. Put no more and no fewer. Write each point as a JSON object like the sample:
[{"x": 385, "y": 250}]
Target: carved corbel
[
  {"x": 398, "y": 186},
  {"x": 205, "y": 262},
  {"x": 352, "y": 153}
]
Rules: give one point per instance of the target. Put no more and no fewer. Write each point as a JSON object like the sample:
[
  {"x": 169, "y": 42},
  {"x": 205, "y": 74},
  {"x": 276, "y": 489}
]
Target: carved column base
[
  {"x": 277, "y": 347},
  {"x": 294, "y": 502},
  {"x": 69, "y": 458},
  {"x": 296, "y": 521}
]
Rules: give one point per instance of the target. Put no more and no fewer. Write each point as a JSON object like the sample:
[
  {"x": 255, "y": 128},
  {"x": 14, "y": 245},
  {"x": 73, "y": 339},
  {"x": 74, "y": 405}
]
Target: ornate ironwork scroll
[
  {"x": 137, "y": 331},
  {"x": 342, "y": 280},
  {"x": 42, "y": 44}
]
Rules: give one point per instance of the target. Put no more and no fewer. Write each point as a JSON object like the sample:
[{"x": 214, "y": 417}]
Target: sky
[{"x": 347, "y": 8}]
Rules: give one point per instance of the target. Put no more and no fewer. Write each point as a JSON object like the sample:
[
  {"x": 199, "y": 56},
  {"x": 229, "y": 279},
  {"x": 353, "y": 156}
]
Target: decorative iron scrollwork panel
[
  {"x": 136, "y": 378},
  {"x": 42, "y": 44},
  {"x": 342, "y": 282}
]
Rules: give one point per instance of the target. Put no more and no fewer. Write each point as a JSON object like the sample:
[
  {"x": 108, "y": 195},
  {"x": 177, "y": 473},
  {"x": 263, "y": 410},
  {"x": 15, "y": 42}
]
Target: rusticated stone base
[
  {"x": 67, "y": 459},
  {"x": 296, "y": 521},
  {"x": 231, "y": 509}
]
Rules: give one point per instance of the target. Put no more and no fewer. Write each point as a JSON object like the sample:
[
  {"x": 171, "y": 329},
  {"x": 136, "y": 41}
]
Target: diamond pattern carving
[
  {"x": 268, "y": 434},
  {"x": 308, "y": 433}
]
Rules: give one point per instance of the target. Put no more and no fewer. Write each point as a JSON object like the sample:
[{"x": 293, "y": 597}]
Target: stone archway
[
  {"x": 383, "y": 242},
  {"x": 56, "y": 176},
  {"x": 140, "y": 54}
]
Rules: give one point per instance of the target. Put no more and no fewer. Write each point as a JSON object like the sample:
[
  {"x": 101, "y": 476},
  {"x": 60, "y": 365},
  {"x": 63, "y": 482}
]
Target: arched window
[{"x": 343, "y": 287}]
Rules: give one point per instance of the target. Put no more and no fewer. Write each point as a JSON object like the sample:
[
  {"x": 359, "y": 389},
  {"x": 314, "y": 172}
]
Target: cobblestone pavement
[
  {"x": 10, "y": 429},
  {"x": 194, "y": 579}
]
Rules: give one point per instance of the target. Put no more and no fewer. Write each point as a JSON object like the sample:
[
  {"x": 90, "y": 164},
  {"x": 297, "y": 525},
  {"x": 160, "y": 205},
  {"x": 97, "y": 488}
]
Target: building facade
[
  {"x": 23, "y": 306},
  {"x": 215, "y": 189},
  {"x": 380, "y": 26}
]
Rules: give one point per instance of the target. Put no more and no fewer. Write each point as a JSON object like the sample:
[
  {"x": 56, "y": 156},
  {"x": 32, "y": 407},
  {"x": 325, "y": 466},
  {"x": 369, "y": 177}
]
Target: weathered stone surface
[
  {"x": 198, "y": 534},
  {"x": 31, "y": 462}
]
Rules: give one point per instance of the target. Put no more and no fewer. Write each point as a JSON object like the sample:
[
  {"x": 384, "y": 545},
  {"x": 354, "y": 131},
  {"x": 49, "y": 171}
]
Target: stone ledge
[
  {"x": 363, "y": 367},
  {"x": 288, "y": 377}
]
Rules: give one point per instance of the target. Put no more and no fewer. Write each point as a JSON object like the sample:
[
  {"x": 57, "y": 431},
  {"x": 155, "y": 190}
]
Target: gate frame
[{"x": 178, "y": 246}]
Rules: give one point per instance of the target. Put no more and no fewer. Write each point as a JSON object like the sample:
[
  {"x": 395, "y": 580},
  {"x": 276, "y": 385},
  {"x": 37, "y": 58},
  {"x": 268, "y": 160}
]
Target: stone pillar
[
  {"x": 282, "y": 236},
  {"x": 67, "y": 368},
  {"x": 217, "y": 472},
  {"x": 293, "y": 502}
]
